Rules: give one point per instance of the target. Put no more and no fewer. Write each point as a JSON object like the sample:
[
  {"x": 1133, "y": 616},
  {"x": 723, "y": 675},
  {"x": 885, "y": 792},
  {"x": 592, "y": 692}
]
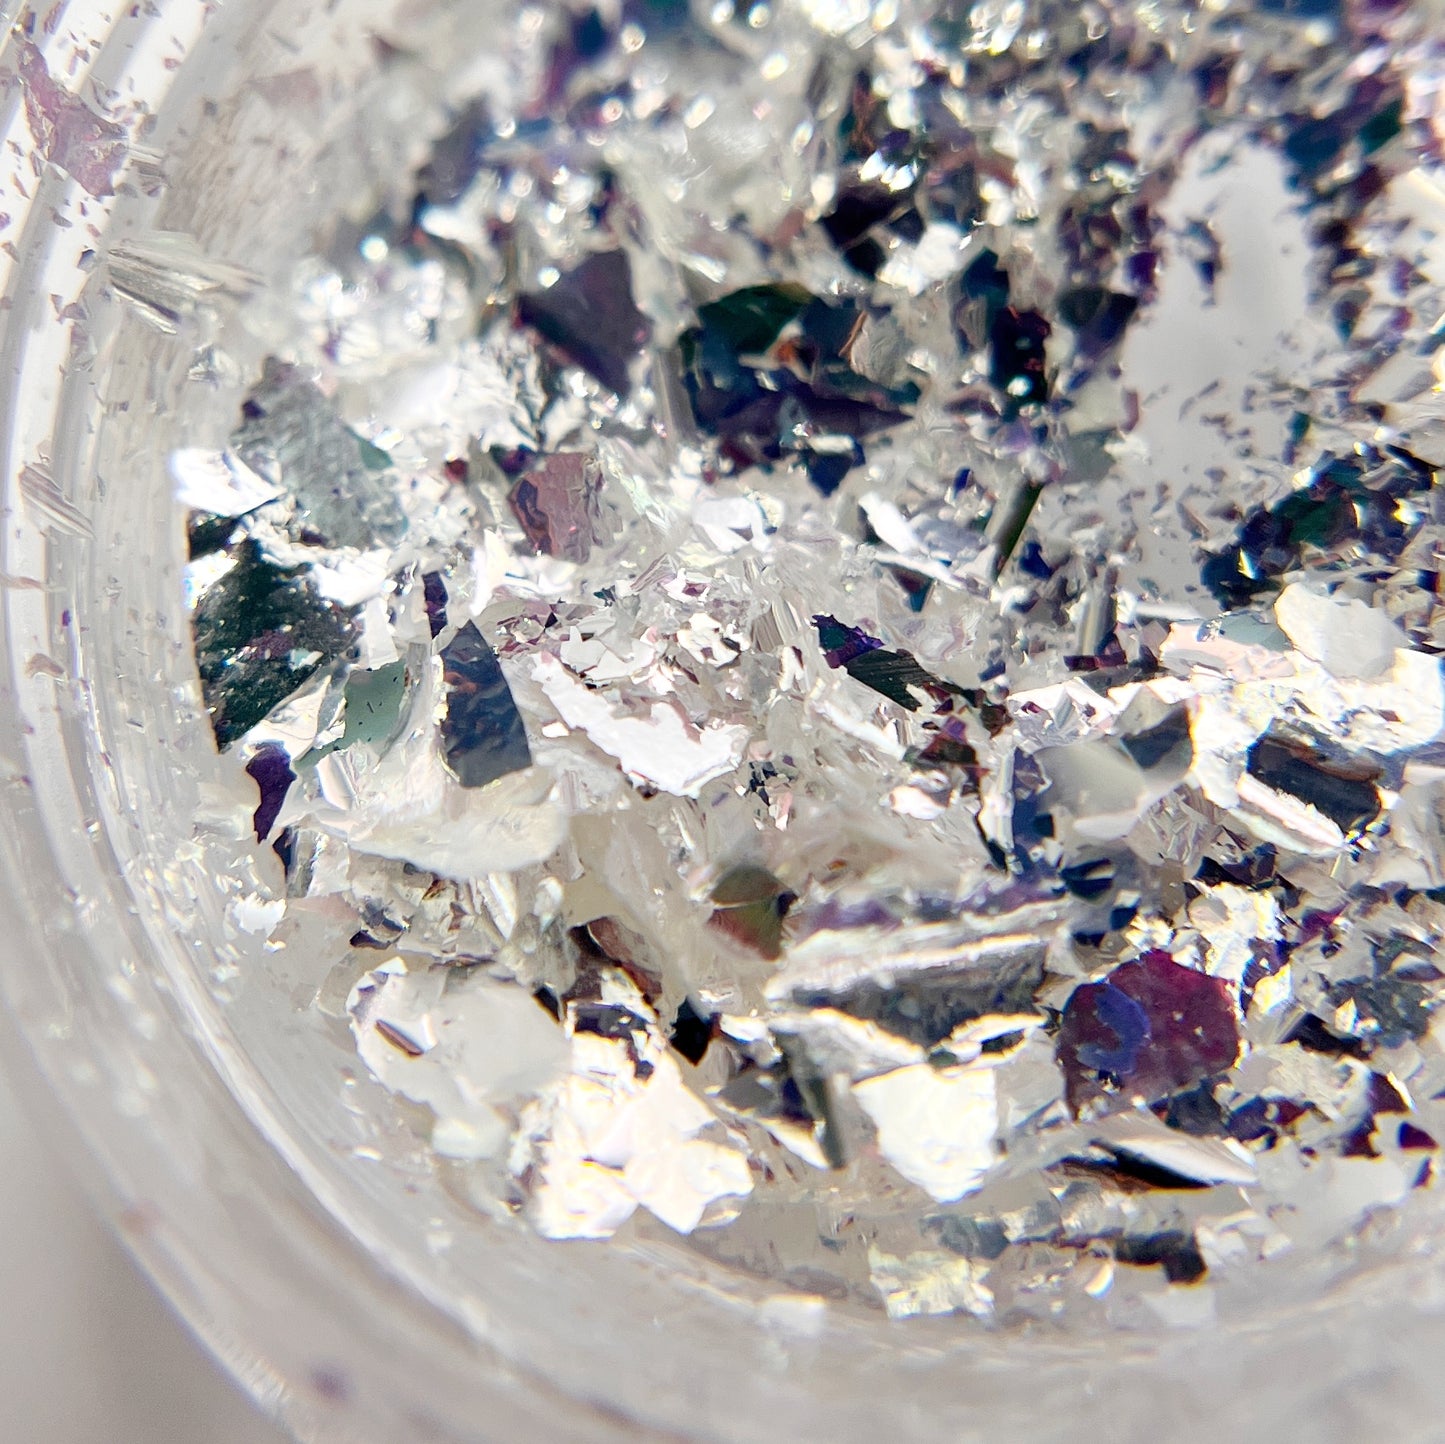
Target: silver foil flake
[
  {"x": 624, "y": 1131},
  {"x": 291, "y": 435},
  {"x": 861, "y": 641},
  {"x": 466, "y": 1048},
  {"x": 929, "y": 1283},
  {"x": 663, "y": 747},
  {"x": 168, "y": 279}
]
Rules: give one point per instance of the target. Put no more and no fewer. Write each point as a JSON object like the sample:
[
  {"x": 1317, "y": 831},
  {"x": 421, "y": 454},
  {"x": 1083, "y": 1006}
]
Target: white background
[{"x": 88, "y": 1353}]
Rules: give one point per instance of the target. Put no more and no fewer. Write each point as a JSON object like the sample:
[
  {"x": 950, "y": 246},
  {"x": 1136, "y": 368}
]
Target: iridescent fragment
[
  {"x": 589, "y": 315},
  {"x": 556, "y": 503},
  {"x": 434, "y": 595},
  {"x": 1343, "y": 789},
  {"x": 374, "y": 702},
  {"x": 261, "y": 633},
  {"x": 767, "y": 392},
  {"x": 482, "y": 733},
  {"x": 1152, "y": 1027},
  {"x": 895, "y": 675},
  {"x": 291, "y": 435},
  {"x": 750, "y": 906},
  {"x": 1348, "y": 502}
]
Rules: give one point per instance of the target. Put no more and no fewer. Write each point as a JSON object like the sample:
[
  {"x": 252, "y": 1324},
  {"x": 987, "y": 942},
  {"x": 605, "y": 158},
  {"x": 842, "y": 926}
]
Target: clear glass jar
[{"x": 280, "y": 1199}]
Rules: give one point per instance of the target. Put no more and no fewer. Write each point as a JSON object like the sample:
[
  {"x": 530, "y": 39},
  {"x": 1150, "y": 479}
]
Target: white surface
[{"x": 88, "y": 1353}]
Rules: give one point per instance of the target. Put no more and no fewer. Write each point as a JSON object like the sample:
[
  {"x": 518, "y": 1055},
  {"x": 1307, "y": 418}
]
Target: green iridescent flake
[
  {"x": 374, "y": 702},
  {"x": 750, "y": 905},
  {"x": 262, "y": 632},
  {"x": 750, "y": 320}
]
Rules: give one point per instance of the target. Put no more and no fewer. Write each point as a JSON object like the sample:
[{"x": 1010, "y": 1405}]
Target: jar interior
[{"x": 274, "y": 122}]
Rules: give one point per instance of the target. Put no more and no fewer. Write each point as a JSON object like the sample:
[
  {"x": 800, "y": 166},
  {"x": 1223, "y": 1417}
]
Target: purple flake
[
  {"x": 1107, "y": 1028},
  {"x": 1412, "y": 1137},
  {"x": 1141, "y": 269},
  {"x": 590, "y": 317},
  {"x": 835, "y": 915},
  {"x": 587, "y": 38},
  {"x": 950, "y": 747},
  {"x": 1098, "y": 318},
  {"x": 456, "y": 159},
  {"x": 482, "y": 733},
  {"x": 434, "y": 591},
  {"x": 67, "y": 132},
  {"x": 556, "y": 503},
  {"x": 841, "y": 643},
  {"x": 1263, "y": 1118},
  {"x": 270, "y": 770},
  {"x": 1381, "y": 1097},
  {"x": 1151, "y": 1028}
]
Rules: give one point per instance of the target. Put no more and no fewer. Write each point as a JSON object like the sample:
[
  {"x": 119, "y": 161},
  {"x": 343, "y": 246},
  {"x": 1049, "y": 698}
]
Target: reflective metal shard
[
  {"x": 482, "y": 732},
  {"x": 1150, "y": 1029},
  {"x": 262, "y": 632},
  {"x": 589, "y": 315}
]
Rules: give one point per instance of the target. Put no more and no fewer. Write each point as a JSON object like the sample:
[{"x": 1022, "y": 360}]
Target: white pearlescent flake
[
  {"x": 936, "y": 1126},
  {"x": 1344, "y": 635},
  {"x": 609, "y": 1140},
  {"x": 460, "y": 1046},
  {"x": 662, "y": 747},
  {"x": 218, "y": 482}
]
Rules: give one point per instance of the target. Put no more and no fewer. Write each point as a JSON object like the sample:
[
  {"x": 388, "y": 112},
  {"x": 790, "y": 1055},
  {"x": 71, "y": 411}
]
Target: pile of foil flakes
[{"x": 843, "y": 600}]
